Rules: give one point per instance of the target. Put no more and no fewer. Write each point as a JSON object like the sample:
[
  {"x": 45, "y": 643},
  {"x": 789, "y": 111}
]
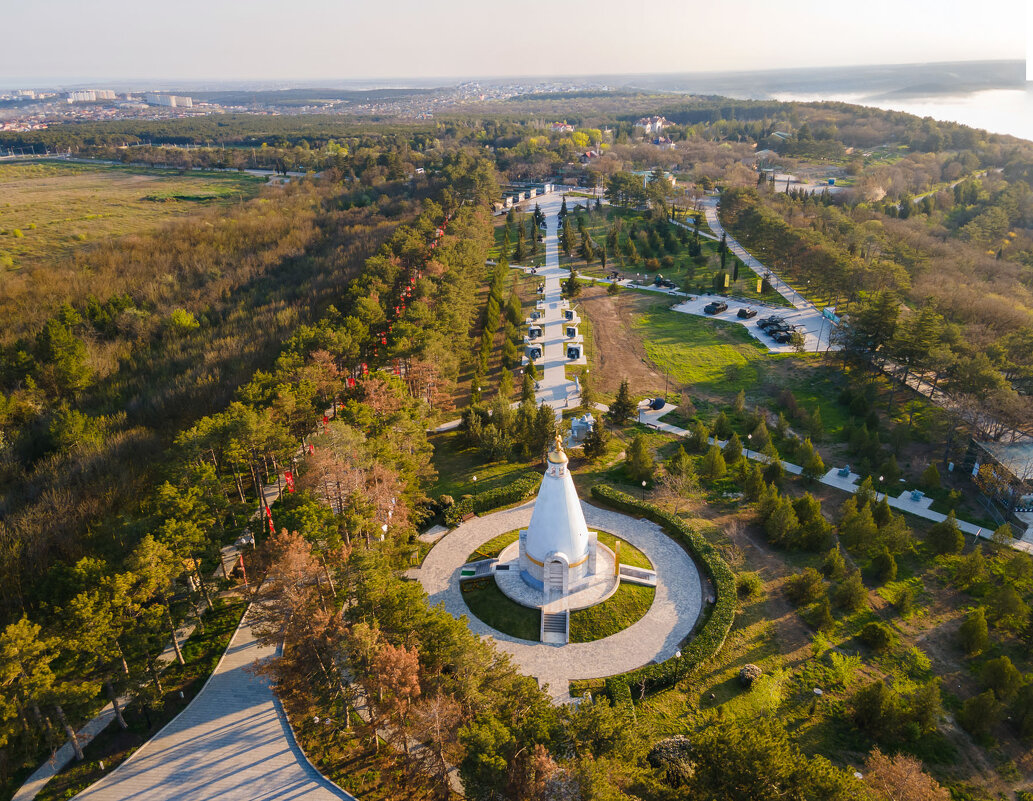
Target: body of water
[{"x": 1003, "y": 111}]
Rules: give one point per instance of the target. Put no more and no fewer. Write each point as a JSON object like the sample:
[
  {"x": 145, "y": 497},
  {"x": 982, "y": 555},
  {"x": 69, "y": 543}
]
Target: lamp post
[
  {"x": 643, "y": 490},
  {"x": 749, "y": 439},
  {"x": 881, "y": 478}
]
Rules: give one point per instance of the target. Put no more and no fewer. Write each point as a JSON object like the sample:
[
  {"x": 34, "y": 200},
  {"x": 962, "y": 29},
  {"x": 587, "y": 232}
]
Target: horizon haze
[{"x": 206, "y": 42}]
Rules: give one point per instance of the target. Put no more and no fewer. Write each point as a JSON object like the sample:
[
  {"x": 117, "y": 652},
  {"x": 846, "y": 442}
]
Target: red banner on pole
[
  {"x": 311, "y": 449},
  {"x": 288, "y": 476}
]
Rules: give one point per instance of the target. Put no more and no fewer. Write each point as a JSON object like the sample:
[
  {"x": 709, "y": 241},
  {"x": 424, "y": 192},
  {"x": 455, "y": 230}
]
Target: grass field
[
  {"x": 488, "y": 603},
  {"x": 620, "y": 610},
  {"x": 715, "y": 357},
  {"x": 48, "y": 209}
]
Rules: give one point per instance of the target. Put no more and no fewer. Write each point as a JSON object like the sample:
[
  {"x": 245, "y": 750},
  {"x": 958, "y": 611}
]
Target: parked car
[
  {"x": 667, "y": 283},
  {"x": 746, "y": 313},
  {"x": 715, "y": 307}
]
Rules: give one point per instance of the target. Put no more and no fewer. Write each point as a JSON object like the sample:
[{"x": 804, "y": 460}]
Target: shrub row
[
  {"x": 711, "y": 636},
  {"x": 513, "y": 492}
]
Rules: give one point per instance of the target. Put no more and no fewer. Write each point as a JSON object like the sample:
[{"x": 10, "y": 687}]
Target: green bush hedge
[
  {"x": 711, "y": 636},
  {"x": 514, "y": 492}
]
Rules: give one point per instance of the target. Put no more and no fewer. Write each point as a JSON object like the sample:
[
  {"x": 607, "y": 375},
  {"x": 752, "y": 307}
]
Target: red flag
[
  {"x": 272, "y": 529},
  {"x": 288, "y": 476},
  {"x": 311, "y": 449},
  {"x": 325, "y": 419},
  {"x": 351, "y": 382}
]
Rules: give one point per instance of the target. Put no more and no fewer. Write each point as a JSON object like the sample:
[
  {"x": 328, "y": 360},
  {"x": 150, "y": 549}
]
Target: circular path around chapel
[{"x": 653, "y": 638}]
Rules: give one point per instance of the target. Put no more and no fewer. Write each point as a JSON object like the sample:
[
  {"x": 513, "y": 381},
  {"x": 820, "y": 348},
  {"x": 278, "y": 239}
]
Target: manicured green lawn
[
  {"x": 487, "y": 603},
  {"x": 620, "y": 610},
  {"x": 630, "y": 555},
  {"x": 457, "y": 465},
  {"x": 494, "y": 546},
  {"x": 713, "y": 356}
]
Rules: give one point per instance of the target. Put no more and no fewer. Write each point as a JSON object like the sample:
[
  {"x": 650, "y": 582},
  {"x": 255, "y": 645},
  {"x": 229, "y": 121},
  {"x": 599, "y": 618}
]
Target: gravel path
[{"x": 656, "y": 636}]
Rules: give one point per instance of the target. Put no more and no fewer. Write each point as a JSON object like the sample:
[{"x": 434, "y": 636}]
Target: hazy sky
[{"x": 340, "y": 39}]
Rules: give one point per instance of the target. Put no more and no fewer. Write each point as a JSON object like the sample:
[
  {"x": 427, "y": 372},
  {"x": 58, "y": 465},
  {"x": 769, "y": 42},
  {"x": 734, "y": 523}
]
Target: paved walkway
[
  {"x": 553, "y": 386},
  {"x": 709, "y": 205},
  {"x": 66, "y": 753},
  {"x": 656, "y": 636},
  {"x": 231, "y": 743}
]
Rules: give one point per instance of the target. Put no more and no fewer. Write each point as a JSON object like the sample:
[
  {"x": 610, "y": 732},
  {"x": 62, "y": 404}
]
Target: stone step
[{"x": 555, "y": 622}]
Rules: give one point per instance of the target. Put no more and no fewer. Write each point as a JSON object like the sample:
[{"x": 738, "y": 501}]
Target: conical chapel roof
[{"x": 557, "y": 523}]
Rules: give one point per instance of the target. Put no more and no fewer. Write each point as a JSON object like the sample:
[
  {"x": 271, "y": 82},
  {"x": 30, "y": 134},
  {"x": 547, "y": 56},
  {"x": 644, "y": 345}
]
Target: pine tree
[
  {"x": 815, "y": 425},
  {"x": 527, "y": 387},
  {"x": 505, "y": 384},
  {"x": 834, "y": 565},
  {"x": 596, "y": 441},
  {"x": 700, "y": 437},
  {"x": 974, "y": 635},
  {"x": 931, "y": 478},
  {"x": 680, "y": 463},
  {"x": 713, "y": 466},
  {"x": 851, "y": 594},
  {"x": 639, "y": 462},
  {"x": 732, "y": 451},
  {"x": 813, "y": 466},
  {"x": 622, "y": 407},
  {"x": 945, "y": 537},
  {"x": 782, "y": 525},
  {"x": 722, "y": 428},
  {"x": 885, "y": 566},
  {"x": 753, "y": 481}
]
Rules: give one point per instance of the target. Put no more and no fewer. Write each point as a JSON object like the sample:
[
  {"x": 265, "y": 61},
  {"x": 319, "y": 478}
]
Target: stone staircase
[{"x": 555, "y": 627}]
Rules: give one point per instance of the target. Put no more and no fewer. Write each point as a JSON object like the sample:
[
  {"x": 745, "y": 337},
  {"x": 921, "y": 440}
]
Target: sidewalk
[{"x": 231, "y": 743}]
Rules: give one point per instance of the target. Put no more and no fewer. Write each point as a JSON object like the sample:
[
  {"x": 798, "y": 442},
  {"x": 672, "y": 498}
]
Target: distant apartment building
[
  {"x": 90, "y": 95},
  {"x": 172, "y": 101}
]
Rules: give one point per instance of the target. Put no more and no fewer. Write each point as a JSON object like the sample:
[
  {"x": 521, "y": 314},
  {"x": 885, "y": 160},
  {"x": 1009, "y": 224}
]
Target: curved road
[{"x": 232, "y": 743}]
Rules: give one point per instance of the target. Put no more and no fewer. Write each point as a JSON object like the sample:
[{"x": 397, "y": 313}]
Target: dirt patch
[
  {"x": 617, "y": 351},
  {"x": 791, "y": 633}
]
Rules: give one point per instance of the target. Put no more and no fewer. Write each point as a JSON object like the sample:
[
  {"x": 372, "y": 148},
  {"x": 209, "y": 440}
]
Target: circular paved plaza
[{"x": 654, "y": 637}]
